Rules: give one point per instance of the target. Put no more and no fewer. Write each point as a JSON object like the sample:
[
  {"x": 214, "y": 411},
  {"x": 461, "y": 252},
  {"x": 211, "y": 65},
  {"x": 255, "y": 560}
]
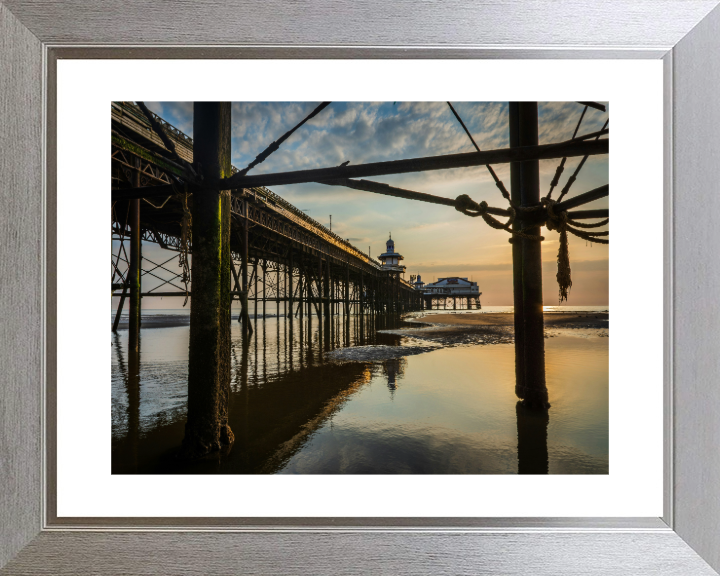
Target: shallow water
[{"x": 364, "y": 400}]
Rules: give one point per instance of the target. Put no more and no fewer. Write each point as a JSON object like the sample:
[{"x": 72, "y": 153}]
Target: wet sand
[
  {"x": 552, "y": 319},
  {"x": 474, "y": 328}
]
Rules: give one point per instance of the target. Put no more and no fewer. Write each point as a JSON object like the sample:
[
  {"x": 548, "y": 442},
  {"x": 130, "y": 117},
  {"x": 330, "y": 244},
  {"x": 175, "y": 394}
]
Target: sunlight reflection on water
[{"x": 449, "y": 410}]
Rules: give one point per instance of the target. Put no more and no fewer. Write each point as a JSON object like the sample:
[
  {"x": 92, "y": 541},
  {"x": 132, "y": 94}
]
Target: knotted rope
[
  {"x": 561, "y": 223},
  {"x": 185, "y": 238},
  {"x": 554, "y": 221},
  {"x": 469, "y": 207}
]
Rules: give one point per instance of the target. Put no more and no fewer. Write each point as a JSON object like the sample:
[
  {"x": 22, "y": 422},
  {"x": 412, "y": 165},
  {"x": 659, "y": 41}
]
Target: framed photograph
[{"x": 359, "y": 373}]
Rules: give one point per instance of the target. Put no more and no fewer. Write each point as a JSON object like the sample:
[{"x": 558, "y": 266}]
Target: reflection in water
[
  {"x": 131, "y": 377},
  {"x": 295, "y": 411},
  {"x": 532, "y": 449},
  {"x": 393, "y": 368}
]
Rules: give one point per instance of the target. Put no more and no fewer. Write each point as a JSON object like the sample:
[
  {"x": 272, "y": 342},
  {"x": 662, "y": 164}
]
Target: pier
[
  {"x": 279, "y": 254},
  {"x": 230, "y": 238},
  {"x": 452, "y": 288}
]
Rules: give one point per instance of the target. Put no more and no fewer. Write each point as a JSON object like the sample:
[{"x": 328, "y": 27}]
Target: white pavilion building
[{"x": 390, "y": 259}]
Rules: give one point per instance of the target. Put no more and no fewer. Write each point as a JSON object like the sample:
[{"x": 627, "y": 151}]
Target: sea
[{"x": 366, "y": 395}]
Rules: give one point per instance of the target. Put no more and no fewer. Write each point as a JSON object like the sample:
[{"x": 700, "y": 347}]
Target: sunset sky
[{"x": 435, "y": 240}]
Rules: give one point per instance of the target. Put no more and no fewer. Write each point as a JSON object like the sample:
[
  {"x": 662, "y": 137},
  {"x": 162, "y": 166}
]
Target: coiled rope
[{"x": 469, "y": 207}]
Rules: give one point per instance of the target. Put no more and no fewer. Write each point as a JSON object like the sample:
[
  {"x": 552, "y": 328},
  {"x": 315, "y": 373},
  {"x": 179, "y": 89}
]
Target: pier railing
[{"x": 131, "y": 117}]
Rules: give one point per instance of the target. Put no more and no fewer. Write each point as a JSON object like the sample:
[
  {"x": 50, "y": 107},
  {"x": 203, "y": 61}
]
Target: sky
[{"x": 436, "y": 241}]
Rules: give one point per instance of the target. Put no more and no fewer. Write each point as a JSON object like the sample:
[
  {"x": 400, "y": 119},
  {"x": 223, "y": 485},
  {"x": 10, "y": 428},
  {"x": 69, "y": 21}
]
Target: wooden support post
[
  {"x": 290, "y": 286},
  {"x": 301, "y": 286},
  {"x": 277, "y": 289},
  {"x": 246, "y": 326},
  {"x": 255, "y": 276},
  {"x": 389, "y": 295},
  {"x": 373, "y": 293},
  {"x": 236, "y": 286},
  {"x": 533, "y": 391},
  {"x": 264, "y": 296},
  {"x": 309, "y": 289},
  {"x": 328, "y": 305},
  {"x": 207, "y": 427},
  {"x": 134, "y": 268},
  {"x": 329, "y": 291},
  {"x": 333, "y": 292},
  {"x": 120, "y": 307},
  {"x": 395, "y": 292},
  {"x": 347, "y": 289},
  {"x": 519, "y": 318}
]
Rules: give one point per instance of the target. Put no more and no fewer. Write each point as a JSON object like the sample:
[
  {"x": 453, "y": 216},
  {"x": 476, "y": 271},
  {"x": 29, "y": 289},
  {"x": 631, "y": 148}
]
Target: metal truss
[{"x": 285, "y": 245}]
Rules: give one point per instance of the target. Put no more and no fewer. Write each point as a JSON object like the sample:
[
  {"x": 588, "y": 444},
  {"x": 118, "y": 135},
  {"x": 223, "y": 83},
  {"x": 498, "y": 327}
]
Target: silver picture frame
[{"x": 685, "y": 34}]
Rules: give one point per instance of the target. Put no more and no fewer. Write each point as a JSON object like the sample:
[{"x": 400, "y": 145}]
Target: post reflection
[
  {"x": 131, "y": 380},
  {"x": 532, "y": 426}
]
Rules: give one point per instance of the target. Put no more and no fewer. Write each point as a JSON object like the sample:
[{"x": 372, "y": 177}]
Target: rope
[
  {"x": 185, "y": 240},
  {"x": 585, "y": 225},
  {"x": 469, "y": 207},
  {"x": 572, "y": 178},
  {"x": 561, "y": 167},
  {"x": 561, "y": 223},
  {"x": 497, "y": 180},
  {"x": 275, "y": 145}
]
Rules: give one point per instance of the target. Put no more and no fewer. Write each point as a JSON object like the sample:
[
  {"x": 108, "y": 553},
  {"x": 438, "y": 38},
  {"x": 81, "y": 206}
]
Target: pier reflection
[
  {"x": 128, "y": 445},
  {"x": 293, "y": 409},
  {"x": 393, "y": 369},
  {"x": 282, "y": 390}
]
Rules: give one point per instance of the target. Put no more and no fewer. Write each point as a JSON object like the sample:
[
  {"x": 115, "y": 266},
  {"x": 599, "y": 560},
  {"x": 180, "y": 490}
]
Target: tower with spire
[{"x": 391, "y": 259}]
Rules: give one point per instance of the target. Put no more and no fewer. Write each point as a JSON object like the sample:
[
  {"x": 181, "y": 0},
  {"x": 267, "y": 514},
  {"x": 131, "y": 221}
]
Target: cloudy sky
[{"x": 435, "y": 240}]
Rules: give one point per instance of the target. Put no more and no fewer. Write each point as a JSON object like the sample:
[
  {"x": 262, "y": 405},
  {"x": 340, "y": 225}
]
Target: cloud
[{"x": 429, "y": 236}]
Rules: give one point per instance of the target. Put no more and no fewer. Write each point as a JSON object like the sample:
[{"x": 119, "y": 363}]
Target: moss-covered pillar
[
  {"x": 534, "y": 392},
  {"x": 207, "y": 427}
]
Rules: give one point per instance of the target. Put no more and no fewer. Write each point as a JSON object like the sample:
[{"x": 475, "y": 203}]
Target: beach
[
  {"x": 552, "y": 319},
  {"x": 429, "y": 394}
]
